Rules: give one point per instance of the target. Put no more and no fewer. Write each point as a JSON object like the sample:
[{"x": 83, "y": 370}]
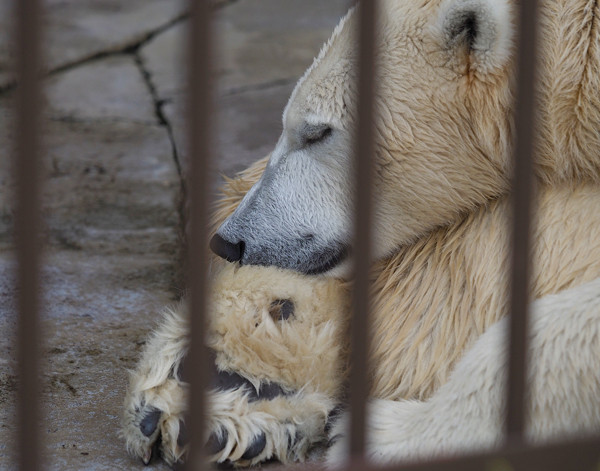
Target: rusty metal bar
[
  {"x": 359, "y": 377},
  {"x": 582, "y": 455},
  {"x": 26, "y": 167},
  {"x": 522, "y": 192},
  {"x": 199, "y": 128}
]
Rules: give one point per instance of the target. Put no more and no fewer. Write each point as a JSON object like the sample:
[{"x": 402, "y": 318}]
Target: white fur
[
  {"x": 298, "y": 214},
  {"x": 467, "y": 413}
]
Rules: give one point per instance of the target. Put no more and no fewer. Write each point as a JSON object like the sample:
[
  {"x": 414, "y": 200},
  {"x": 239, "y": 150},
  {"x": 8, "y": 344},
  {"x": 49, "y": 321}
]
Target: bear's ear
[{"x": 477, "y": 31}]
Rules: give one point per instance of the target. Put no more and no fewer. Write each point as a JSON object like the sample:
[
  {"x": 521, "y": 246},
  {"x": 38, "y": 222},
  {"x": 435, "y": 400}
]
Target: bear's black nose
[{"x": 232, "y": 252}]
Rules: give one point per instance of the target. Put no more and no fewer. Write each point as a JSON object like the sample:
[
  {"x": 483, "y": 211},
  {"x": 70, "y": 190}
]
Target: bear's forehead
[{"x": 326, "y": 93}]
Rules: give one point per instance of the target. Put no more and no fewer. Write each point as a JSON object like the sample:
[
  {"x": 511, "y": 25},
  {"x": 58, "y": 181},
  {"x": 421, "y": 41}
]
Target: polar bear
[
  {"x": 437, "y": 352},
  {"x": 444, "y": 132}
]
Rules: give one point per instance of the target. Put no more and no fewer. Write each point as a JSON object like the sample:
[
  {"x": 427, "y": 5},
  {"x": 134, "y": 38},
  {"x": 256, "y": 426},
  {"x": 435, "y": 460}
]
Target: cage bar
[
  {"x": 521, "y": 199},
  {"x": 582, "y": 454},
  {"x": 27, "y": 169},
  {"x": 359, "y": 377},
  {"x": 199, "y": 129}
]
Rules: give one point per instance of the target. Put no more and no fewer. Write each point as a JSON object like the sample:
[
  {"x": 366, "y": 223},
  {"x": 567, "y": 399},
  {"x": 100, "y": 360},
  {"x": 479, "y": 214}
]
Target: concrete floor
[{"x": 114, "y": 149}]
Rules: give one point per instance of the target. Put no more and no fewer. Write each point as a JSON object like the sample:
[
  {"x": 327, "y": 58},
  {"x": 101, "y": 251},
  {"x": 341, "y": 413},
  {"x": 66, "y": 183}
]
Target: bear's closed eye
[{"x": 313, "y": 133}]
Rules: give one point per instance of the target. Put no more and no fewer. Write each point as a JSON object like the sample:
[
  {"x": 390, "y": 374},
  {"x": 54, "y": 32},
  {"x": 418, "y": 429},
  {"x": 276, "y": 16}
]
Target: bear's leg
[
  {"x": 156, "y": 397},
  {"x": 244, "y": 428},
  {"x": 467, "y": 413}
]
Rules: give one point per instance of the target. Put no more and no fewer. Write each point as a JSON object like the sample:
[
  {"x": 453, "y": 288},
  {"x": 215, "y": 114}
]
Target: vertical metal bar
[
  {"x": 522, "y": 181},
  {"x": 199, "y": 128},
  {"x": 359, "y": 383},
  {"x": 27, "y": 227}
]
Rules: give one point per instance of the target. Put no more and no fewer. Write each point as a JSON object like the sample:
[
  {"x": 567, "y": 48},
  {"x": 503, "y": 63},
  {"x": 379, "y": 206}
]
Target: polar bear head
[{"x": 442, "y": 137}]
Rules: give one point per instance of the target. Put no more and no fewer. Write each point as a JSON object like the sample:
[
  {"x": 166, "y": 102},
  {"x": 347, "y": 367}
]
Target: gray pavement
[{"x": 114, "y": 147}]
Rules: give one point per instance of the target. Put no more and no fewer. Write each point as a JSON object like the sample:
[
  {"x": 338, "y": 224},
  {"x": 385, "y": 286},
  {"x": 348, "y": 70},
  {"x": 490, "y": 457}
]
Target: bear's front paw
[
  {"x": 245, "y": 426},
  {"x": 156, "y": 400},
  {"x": 246, "y": 430},
  {"x": 153, "y": 422}
]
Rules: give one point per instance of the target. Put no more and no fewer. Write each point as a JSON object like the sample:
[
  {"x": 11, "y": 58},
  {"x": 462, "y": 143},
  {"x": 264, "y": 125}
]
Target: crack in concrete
[
  {"x": 128, "y": 48},
  {"x": 158, "y": 103},
  {"x": 123, "y": 49},
  {"x": 164, "y": 122}
]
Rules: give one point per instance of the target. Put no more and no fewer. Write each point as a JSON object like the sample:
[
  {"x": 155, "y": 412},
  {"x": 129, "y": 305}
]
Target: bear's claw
[
  {"x": 216, "y": 442},
  {"x": 150, "y": 453},
  {"x": 257, "y": 445}
]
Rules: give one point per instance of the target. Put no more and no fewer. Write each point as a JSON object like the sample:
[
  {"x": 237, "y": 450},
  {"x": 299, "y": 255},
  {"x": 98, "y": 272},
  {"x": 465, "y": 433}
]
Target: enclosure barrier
[
  {"x": 516, "y": 452},
  {"x": 27, "y": 168}
]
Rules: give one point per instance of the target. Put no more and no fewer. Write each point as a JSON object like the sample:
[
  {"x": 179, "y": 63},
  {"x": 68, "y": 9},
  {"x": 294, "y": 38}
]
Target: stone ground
[{"x": 114, "y": 150}]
